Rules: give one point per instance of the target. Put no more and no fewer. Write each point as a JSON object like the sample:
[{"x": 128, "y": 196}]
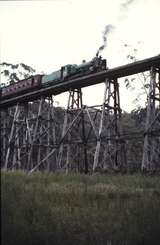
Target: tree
[
  {"x": 13, "y": 73},
  {"x": 143, "y": 78}
]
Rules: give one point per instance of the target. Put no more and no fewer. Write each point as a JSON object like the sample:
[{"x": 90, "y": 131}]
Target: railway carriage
[{"x": 22, "y": 86}]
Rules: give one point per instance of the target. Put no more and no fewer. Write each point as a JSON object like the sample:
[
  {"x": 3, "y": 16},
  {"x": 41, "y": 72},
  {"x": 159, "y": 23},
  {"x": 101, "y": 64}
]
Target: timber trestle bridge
[{"x": 36, "y": 135}]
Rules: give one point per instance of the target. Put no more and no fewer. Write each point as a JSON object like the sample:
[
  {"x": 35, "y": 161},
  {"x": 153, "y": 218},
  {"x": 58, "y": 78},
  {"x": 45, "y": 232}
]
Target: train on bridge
[{"x": 65, "y": 73}]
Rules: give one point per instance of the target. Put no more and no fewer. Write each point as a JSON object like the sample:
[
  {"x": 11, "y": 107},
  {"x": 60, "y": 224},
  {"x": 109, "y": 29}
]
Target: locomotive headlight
[
  {"x": 91, "y": 68},
  {"x": 65, "y": 73}
]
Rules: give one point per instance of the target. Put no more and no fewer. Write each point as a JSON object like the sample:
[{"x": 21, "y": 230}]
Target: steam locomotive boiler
[{"x": 66, "y": 72}]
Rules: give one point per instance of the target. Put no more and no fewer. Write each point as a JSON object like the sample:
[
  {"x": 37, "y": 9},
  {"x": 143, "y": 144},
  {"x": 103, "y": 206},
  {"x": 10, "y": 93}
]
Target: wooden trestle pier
[{"x": 91, "y": 138}]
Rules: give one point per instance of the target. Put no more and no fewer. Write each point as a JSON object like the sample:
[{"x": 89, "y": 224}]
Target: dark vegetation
[
  {"x": 15, "y": 72},
  {"x": 76, "y": 209},
  {"x": 133, "y": 125}
]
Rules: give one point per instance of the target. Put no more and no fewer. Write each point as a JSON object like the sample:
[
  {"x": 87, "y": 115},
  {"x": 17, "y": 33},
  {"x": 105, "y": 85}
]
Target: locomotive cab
[
  {"x": 68, "y": 70},
  {"x": 99, "y": 63}
]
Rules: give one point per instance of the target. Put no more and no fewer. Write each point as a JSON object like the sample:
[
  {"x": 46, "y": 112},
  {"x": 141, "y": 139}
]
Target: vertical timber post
[
  {"x": 97, "y": 152},
  {"x": 30, "y": 158},
  {"x": 11, "y": 137},
  {"x": 151, "y": 149},
  {"x": 51, "y": 134},
  {"x": 83, "y": 135},
  {"x": 110, "y": 133},
  {"x": 74, "y": 104}
]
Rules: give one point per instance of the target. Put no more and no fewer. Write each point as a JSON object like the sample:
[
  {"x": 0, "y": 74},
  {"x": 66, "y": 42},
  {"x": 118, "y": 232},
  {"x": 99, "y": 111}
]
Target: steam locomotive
[{"x": 65, "y": 73}]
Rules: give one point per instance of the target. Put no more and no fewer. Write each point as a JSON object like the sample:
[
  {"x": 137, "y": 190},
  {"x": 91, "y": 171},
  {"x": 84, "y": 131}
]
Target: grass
[{"x": 47, "y": 208}]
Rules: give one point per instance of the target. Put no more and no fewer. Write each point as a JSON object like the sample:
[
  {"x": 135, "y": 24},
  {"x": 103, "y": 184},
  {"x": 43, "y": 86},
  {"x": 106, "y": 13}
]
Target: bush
[{"x": 46, "y": 208}]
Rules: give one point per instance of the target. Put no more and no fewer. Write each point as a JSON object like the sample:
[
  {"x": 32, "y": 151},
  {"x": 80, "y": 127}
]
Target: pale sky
[{"x": 49, "y": 34}]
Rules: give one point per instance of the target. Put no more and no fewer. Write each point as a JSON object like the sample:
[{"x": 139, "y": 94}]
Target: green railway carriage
[
  {"x": 54, "y": 76},
  {"x": 59, "y": 75}
]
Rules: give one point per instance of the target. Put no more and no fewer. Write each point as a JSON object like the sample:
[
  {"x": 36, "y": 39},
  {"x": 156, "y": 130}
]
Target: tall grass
[{"x": 46, "y": 208}]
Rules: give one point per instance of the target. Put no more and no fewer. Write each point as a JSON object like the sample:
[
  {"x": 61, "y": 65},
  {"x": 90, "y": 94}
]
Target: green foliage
[
  {"x": 46, "y": 208},
  {"x": 143, "y": 78},
  {"x": 27, "y": 68},
  {"x": 5, "y": 72},
  {"x": 13, "y": 72},
  {"x": 14, "y": 77}
]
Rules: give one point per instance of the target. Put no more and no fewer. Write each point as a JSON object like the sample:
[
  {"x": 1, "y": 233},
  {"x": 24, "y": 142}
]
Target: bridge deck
[{"x": 118, "y": 72}]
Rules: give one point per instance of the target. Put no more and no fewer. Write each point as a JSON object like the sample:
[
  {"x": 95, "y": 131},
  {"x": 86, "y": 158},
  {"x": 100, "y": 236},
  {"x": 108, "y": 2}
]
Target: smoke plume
[
  {"x": 126, "y": 3},
  {"x": 108, "y": 29}
]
